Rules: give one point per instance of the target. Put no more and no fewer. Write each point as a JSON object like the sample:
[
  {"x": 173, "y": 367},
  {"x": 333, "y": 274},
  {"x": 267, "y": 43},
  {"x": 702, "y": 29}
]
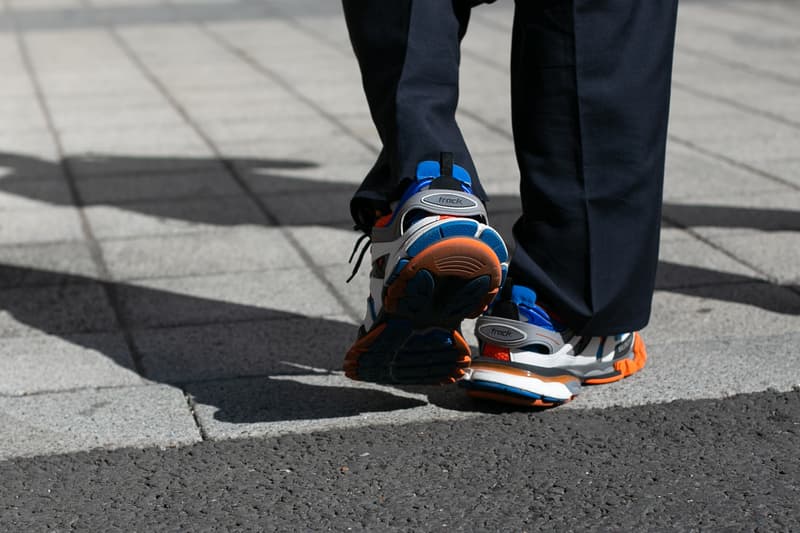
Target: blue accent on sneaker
[
  {"x": 507, "y": 389},
  {"x": 599, "y": 354},
  {"x": 459, "y": 228},
  {"x": 396, "y": 272},
  {"x": 426, "y": 239},
  {"x": 525, "y": 298},
  {"x": 431, "y": 169},
  {"x": 492, "y": 239}
]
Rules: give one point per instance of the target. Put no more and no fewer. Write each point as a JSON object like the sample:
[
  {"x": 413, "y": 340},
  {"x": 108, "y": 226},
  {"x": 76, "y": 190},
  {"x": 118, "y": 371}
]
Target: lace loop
[{"x": 360, "y": 255}]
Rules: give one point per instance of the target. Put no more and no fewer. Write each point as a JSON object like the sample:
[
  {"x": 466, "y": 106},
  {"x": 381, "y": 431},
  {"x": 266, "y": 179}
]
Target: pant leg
[
  {"x": 590, "y": 99},
  {"x": 409, "y": 54}
]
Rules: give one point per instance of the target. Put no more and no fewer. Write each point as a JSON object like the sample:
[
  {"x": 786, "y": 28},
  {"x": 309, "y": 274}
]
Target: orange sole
[
  {"x": 625, "y": 367},
  {"x": 458, "y": 257}
]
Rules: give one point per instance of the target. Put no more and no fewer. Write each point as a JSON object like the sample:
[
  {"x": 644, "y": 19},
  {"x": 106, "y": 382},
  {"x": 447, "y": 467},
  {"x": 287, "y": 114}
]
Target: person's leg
[
  {"x": 435, "y": 261},
  {"x": 590, "y": 98},
  {"x": 408, "y": 52}
]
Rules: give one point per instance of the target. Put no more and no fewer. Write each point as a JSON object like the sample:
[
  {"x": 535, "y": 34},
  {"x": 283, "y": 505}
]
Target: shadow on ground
[{"x": 253, "y": 363}]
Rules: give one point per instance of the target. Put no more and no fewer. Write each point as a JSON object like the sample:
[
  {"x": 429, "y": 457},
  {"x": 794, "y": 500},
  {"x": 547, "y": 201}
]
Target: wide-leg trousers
[{"x": 590, "y": 87}]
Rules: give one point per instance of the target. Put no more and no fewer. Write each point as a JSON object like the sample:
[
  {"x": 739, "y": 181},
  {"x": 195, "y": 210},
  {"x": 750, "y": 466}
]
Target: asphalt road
[{"x": 722, "y": 465}]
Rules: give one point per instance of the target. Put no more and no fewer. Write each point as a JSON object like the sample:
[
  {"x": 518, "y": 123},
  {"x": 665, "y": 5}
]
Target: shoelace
[{"x": 364, "y": 237}]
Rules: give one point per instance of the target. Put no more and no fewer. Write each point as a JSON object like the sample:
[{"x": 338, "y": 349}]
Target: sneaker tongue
[
  {"x": 525, "y": 299},
  {"x": 523, "y": 296}
]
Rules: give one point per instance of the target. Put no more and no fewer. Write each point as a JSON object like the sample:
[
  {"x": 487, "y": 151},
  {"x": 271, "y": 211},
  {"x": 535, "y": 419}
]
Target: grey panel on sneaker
[{"x": 435, "y": 202}]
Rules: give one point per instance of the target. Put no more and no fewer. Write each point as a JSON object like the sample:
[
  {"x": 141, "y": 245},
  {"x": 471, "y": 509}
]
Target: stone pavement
[{"x": 174, "y": 179}]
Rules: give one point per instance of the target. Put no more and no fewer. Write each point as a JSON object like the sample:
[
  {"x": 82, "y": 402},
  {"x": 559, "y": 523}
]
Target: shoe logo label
[
  {"x": 501, "y": 333},
  {"x": 453, "y": 201}
]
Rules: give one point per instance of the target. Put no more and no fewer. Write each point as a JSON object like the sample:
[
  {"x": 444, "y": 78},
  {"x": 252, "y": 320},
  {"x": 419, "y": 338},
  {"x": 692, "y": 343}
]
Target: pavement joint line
[
  {"x": 139, "y": 280},
  {"x": 745, "y": 108},
  {"x": 324, "y": 39},
  {"x": 190, "y": 403},
  {"x": 738, "y": 65},
  {"x": 731, "y": 162},
  {"x": 227, "y": 163},
  {"x": 710, "y": 242},
  {"x": 285, "y": 85},
  {"x": 93, "y": 245},
  {"x": 706, "y": 27},
  {"x": 739, "y": 9},
  {"x": 46, "y": 392}
]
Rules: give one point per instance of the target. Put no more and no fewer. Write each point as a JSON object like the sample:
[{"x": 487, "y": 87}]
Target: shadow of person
[
  {"x": 253, "y": 364},
  {"x": 194, "y": 190},
  {"x": 280, "y": 363}
]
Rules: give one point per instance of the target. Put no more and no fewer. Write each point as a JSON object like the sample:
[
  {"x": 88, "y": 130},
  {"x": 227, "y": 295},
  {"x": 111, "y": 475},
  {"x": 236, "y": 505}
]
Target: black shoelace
[{"x": 363, "y": 238}]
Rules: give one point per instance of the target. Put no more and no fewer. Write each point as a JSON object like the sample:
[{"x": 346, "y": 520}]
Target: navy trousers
[{"x": 590, "y": 86}]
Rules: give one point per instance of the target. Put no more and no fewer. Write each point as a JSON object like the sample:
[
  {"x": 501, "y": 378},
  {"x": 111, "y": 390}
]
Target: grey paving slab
[
  {"x": 687, "y": 262},
  {"x": 41, "y": 225},
  {"x": 27, "y": 193},
  {"x": 53, "y": 363},
  {"x": 266, "y": 347},
  {"x": 55, "y": 309},
  {"x": 690, "y": 176},
  {"x": 110, "y": 188},
  {"x": 311, "y": 208},
  {"x": 776, "y": 253},
  {"x": 45, "y": 264},
  {"x": 704, "y": 369},
  {"x": 714, "y": 312},
  {"x": 306, "y": 403},
  {"x": 727, "y": 216},
  {"x": 93, "y": 163},
  {"x": 87, "y": 419},
  {"x": 236, "y": 249},
  {"x": 786, "y": 169},
  {"x": 339, "y": 146},
  {"x": 314, "y": 172},
  {"x": 327, "y": 246},
  {"x": 154, "y": 218},
  {"x": 225, "y": 298}
]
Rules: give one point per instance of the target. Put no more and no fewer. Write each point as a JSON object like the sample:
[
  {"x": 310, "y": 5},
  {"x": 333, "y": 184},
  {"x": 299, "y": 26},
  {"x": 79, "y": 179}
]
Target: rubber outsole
[
  {"x": 497, "y": 392},
  {"x": 418, "y": 340}
]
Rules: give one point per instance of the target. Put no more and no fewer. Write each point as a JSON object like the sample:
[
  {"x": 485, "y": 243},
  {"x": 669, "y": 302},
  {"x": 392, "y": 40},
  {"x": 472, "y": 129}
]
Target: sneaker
[
  {"x": 529, "y": 358},
  {"x": 435, "y": 261}
]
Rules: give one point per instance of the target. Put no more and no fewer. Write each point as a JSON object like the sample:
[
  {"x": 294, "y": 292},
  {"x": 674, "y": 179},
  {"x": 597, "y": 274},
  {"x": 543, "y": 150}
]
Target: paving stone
[
  {"x": 690, "y": 262},
  {"x": 236, "y": 249},
  {"x": 195, "y": 215},
  {"x": 94, "y": 163},
  {"x": 225, "y": 298},
  {"x": 786, "y": 169},
  {"x": 59, "y": 309},
  {"x": 715, "y": 312},
  {"x": 52, "y": 363},
  {"x": 27, "y": 193},
  {"x": 305, "y": 403},
  {"x": 703, "y": 369},
  {"x": 87, "y": 419},
  {"x": 275, "y": 176},
  {"x": 691, "y": 176},
  {"x": 165, "y": 186},
  {"x": 46, "y": 264},
  {"x": 311, "y": 208},
  {"x": 268, "y": 347},
  {"x": 41, "y": 225},
  {"x": 730, "y": 216},
  {"x": 776, "y": 253},
  {"x": 328, "y": 246}
]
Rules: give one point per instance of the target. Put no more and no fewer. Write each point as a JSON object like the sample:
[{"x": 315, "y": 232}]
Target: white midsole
[{"x": 551, "y": 389}]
